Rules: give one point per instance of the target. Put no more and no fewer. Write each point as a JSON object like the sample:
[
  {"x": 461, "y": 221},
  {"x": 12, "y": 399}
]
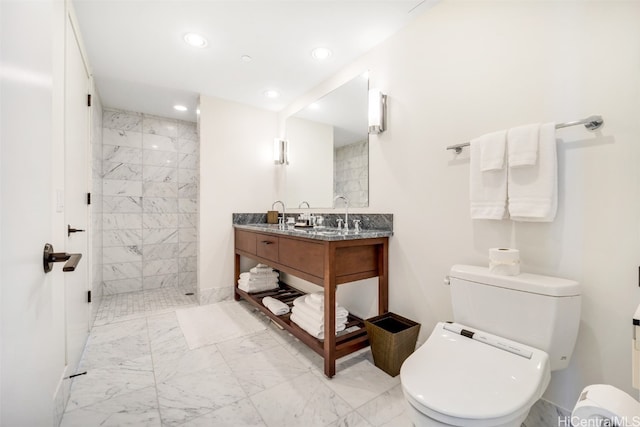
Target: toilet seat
[{"x": 464, "y": 381}]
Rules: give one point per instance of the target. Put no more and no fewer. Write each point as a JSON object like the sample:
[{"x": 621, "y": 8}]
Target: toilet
[
  {"x": 489, "y": 366},
  {"x": 604, "y": 405}
]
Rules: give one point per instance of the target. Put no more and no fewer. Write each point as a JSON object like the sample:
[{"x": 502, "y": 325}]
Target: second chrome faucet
[{"x": 346, "y": 210}]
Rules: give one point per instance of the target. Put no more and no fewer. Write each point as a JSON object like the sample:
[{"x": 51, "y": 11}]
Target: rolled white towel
[{"x": 276, "y": 307}]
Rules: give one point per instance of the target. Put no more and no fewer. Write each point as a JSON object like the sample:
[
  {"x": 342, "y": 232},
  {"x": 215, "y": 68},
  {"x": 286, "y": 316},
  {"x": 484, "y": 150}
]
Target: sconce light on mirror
[
  {"x": 377, "y": 111},
  {"x": 280, "y": 151}
]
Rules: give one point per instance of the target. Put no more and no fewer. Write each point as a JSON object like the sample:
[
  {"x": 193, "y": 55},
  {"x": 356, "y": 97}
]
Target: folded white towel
[
  {"x": 317, "y": 299},
  {"x": 252, "y": 287},
  {"x": 317, "y": 296},
  {"x": 299, "y": 300},
  {"x": 310, "y": 329},
  {"x": 318, "y": 316},
  {"x": 492, "y": 150},
  {"x": 487, "y": 190},
  {"x": 313, "y": 304},
  {"x": 260, "y": 271},
  {"x": 275, "y": 306},
  {"x": 533, "y": 190},
  {"x": 522, "y": 143}
]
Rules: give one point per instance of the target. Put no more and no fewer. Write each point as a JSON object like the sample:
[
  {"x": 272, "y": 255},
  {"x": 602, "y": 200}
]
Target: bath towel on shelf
[
  {"x": 314, "y": 330},
  {"x": 259, "y": 279},
  {"x": 488, "y": 189},
  {"x": 275, "y": 306},
  {"x": 533, "y": 190},
  {"x": 318, "y": 316},
  {"x": 311, "y": 319}
]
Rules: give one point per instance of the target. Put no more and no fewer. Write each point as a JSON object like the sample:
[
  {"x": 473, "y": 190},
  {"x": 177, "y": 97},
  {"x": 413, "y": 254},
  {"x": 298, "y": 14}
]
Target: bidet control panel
[{"x": 489, "y": 339}]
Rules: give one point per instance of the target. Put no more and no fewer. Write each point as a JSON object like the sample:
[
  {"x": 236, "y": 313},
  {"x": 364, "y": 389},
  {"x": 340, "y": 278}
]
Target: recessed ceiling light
[
  {"x": 314, "y": 106},
  {"x": 180, "y": 108},
  {"x": 246, "y": 58},
  {"x": 271, "y": 93},
  {"x": 321, "y": 53},
  {"x": 195, "y": 40}
]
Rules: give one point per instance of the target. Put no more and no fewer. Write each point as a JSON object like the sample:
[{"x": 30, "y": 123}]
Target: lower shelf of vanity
[{"x": 346, "y": 342}]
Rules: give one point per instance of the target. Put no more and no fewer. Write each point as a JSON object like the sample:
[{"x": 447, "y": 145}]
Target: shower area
[{"x": 145, "y": 214}]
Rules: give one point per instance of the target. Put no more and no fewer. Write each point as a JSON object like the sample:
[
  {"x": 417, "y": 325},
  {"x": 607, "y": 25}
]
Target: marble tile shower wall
[
  {"x": 150, "y": 202},
  {"x": 351, "y": 173}
]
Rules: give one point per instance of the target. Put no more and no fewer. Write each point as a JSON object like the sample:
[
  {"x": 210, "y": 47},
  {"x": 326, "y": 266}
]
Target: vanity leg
[
  {"x": 383, "y": 277},
  {"x": 236, "y": 296},
  {"x": 329, "y": 312}
]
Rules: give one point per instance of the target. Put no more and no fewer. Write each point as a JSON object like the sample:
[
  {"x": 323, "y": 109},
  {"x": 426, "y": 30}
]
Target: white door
[
  {"x": 31, "y": 301},
  {"x": 76, "y": 183}
]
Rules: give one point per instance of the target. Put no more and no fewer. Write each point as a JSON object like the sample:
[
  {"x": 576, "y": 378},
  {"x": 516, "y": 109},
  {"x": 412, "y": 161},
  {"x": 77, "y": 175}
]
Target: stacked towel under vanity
[
  {"x": 259, "y": 279},
  {"x": 308, "y": 313}
]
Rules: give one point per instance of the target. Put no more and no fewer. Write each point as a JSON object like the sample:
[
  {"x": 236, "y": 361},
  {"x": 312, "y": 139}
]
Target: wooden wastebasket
[{"x": 392, "y": 339}]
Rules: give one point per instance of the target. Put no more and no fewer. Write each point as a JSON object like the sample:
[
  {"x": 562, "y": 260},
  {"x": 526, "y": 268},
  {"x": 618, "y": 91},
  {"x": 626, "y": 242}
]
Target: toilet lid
[{"x": 475, "y": 377}]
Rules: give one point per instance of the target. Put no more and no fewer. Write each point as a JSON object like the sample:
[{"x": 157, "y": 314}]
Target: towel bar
[{"x": 591, "y": 123}]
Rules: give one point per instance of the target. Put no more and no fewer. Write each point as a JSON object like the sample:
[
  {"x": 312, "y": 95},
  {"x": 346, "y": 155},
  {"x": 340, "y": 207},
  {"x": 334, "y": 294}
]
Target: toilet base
[{"x": 421, "y": 420}]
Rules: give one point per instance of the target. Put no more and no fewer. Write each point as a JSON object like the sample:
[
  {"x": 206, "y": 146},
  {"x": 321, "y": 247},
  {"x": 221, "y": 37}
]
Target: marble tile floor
[{"x": 140, "y": 372}]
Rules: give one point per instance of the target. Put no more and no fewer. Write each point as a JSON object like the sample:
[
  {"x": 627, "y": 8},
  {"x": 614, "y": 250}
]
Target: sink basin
[{"x": 329, "y": 232}]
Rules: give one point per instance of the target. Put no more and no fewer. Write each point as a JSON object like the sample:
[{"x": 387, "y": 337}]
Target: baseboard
[{"x": 60, "y": 398}]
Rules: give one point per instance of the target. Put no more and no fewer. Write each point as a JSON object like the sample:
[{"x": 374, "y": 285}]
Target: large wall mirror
[{"x": 329, "y": 149}]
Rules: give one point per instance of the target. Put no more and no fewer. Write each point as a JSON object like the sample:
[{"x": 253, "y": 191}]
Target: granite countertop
[{"x": 324, "y": 233}]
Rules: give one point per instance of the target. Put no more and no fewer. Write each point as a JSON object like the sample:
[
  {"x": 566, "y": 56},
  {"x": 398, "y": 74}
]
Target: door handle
[
  {"x": 73, "y": 230},
  {"x": 49, "y": 257}
]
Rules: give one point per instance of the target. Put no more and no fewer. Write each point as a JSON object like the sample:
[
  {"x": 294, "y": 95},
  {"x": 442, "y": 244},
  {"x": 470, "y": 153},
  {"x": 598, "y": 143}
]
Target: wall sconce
[
  {"x": 280, "y": 152},
  {"x": 377, "y": 111}
]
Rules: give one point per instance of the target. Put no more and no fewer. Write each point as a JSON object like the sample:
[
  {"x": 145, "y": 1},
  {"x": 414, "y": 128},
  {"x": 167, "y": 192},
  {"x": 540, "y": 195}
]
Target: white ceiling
[{"x": 141, "y": 63}]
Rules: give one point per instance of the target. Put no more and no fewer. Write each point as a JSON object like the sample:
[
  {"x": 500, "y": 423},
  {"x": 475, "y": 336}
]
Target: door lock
[{"x": 73, "y": 230}]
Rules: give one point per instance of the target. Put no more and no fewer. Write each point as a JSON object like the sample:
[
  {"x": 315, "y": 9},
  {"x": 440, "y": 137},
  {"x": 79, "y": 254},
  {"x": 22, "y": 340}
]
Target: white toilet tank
[{"x": 540, "y": 311}]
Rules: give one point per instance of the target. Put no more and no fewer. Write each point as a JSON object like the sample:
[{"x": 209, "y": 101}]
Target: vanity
[{"x": 327, "y": 258}]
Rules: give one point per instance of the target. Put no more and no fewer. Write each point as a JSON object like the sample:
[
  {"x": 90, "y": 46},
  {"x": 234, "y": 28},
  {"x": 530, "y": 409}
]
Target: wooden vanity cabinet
[{"x": 327, "y": 263}]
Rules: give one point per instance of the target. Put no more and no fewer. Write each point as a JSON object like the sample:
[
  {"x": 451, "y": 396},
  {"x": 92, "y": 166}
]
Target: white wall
[
  {"x": 467, "y": 68},
  {"x": 32, "y": 311},
  {"x": 309, "y": 174},
  {"x": 237, "y": 174}
]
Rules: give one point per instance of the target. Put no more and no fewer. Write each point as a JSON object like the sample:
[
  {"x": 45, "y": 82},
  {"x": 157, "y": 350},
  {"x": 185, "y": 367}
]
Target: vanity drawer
[
  {"x": 304, "y": 256},
  {"x": 267, "y": 246},
  {"x": 246, "y": 241}
]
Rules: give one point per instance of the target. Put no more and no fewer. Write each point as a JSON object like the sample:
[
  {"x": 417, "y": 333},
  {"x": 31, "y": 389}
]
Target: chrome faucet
[
  {"x": 346, "y": 210},
  {"x": 283, "y": 209},
  {"x": 304, "y": 202}
]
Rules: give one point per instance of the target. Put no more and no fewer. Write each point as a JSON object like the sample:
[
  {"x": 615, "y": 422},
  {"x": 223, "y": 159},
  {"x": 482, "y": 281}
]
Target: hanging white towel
[
  {"x": 533, "y": 190},
  {"x": 487, "y": 190},
  {"x": 276, "y": 307},
  {"x": 522, "y": 142},
  {"x": 492, "y": 150}
]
